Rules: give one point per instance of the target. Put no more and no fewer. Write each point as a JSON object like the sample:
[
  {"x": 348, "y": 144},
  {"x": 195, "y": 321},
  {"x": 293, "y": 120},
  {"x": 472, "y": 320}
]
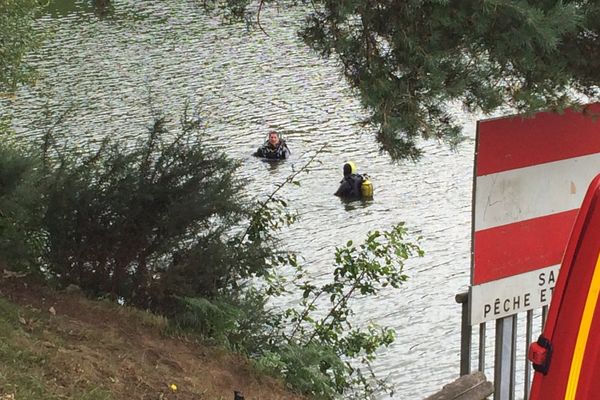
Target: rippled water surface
[{"x": 106, "y": 70}]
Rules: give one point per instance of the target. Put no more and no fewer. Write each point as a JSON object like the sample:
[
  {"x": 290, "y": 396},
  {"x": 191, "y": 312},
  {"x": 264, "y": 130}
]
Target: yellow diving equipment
[
  {"x": 354, "y": 185},
  {"x": 366, "y": 188}
]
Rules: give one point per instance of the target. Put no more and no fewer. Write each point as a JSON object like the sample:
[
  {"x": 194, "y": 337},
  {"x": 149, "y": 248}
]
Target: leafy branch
[
  {"x": 255, "y": 224},
  {"x": 361, "y": 270}
]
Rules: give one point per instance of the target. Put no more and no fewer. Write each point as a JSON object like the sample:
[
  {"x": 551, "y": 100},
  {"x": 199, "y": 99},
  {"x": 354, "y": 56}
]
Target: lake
[{"x": 106, "y": 75}]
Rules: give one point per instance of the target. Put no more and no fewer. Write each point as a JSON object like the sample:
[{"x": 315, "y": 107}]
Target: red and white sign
[{"x": 530, "y": 177}]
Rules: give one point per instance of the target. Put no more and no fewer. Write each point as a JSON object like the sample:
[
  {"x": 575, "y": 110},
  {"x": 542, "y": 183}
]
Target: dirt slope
[{"x": 97, "y": 350}]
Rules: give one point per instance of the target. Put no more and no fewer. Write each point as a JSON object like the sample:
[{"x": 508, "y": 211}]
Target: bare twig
[
  {"x": 260, "y": 5},
  {"x": 343, "y": 300},
  {"x": 307, "y": 309},
  {"x": 48, "y": 137},
  {"x": 287, "y": 180}
]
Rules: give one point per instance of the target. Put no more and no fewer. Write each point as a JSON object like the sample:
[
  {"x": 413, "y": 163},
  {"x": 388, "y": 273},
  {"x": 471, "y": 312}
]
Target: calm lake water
[{"x": 108, "y": 69}]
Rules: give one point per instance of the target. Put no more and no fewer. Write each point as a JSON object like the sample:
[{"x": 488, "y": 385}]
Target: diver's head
[
  {"x": 273, "y": 138},
  {"x": 349, "y": 168}
]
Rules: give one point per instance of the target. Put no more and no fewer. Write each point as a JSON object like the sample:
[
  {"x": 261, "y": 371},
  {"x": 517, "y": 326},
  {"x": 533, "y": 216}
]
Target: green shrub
[
  {"x": 211, "y": 319},
  {"x": 317, "y": 347},
  {"x": 323, "y": 324},
  {"x": 21, "y": 206},
  {"x": 313, "y": 369},
  {"x": 147, "y": 222}
]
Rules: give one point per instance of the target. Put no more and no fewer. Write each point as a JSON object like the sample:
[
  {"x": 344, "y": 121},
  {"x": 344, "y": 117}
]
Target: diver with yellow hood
[{"x": 354, "y": 186}]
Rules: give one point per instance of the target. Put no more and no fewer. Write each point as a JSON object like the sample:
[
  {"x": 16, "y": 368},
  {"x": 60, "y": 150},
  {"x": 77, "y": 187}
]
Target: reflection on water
[
  {"x": 113, "y": 70},
  {"x": 351, "y": 205},
  {"x": 272, "y": 165}
]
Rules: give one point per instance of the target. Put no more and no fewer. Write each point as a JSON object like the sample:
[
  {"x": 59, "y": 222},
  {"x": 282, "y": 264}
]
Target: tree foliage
[
  {"x": 21, "y": 239},
  {"x": 17, "y": 38},
  {"x": 325, "y": 323},
  {"x": 408, "y": 60},
  {"x": 148, "y": 222}
]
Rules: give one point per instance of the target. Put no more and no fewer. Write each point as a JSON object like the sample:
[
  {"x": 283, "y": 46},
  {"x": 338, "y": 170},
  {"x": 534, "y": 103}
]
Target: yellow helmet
[{"x": 349, "y": 168}]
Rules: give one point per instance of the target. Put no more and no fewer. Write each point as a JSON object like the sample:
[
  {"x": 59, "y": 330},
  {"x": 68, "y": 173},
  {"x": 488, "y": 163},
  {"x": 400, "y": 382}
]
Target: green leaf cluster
[
  {"x": 324, "y": 321},
  {"x": 17, "y": 38},
  {"x": 305, "y": 368}
]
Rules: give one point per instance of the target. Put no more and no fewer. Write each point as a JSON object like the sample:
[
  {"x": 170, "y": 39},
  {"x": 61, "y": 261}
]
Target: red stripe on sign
[
  {"x": 517, "y": 142},
  {"x": 521, "y": 247}
]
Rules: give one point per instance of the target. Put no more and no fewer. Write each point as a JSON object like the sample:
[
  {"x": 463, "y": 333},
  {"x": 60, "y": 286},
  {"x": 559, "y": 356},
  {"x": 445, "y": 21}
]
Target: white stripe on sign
[
  {"x": 517, "y": 293},
  {"x": 525, "y": 193}
]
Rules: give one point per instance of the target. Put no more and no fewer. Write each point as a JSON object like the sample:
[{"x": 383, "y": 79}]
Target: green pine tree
[{"x": 408, "y": 60}]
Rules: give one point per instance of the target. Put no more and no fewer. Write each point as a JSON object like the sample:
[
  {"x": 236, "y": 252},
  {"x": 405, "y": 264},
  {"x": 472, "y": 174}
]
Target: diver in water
[
  {"x": 274, "y": 148},
  {"x": 354, "y": 186}
]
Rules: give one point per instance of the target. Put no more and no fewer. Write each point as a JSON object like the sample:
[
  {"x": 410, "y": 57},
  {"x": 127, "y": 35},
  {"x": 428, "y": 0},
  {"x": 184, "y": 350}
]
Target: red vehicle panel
[{"x": 571, "y": 338}]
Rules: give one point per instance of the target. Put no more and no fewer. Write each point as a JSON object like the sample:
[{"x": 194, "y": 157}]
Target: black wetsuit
[
  {"x": 278, "y": 152},
  {"x": 350, "y": 187}
]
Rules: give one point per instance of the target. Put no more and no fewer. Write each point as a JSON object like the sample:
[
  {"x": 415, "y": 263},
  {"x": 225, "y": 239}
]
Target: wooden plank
[{"x": 474, "y": 386}]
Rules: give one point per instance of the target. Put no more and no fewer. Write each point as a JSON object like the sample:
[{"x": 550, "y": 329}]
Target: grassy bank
[{"x": 59, "y": 345}]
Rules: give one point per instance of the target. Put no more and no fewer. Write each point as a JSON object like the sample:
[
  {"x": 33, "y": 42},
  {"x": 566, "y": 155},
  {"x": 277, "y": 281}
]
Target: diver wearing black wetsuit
[{"x": 274, "y": 148}]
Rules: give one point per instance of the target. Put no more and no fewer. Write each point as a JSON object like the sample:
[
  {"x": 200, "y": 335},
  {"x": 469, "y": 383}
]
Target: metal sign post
[{"x": 504, "y": 367}]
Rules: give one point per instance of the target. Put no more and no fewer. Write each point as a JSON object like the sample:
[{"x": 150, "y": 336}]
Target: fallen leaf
[
  {"x": 11, "y": 274},
  {"x": 52, "y": 310}
]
